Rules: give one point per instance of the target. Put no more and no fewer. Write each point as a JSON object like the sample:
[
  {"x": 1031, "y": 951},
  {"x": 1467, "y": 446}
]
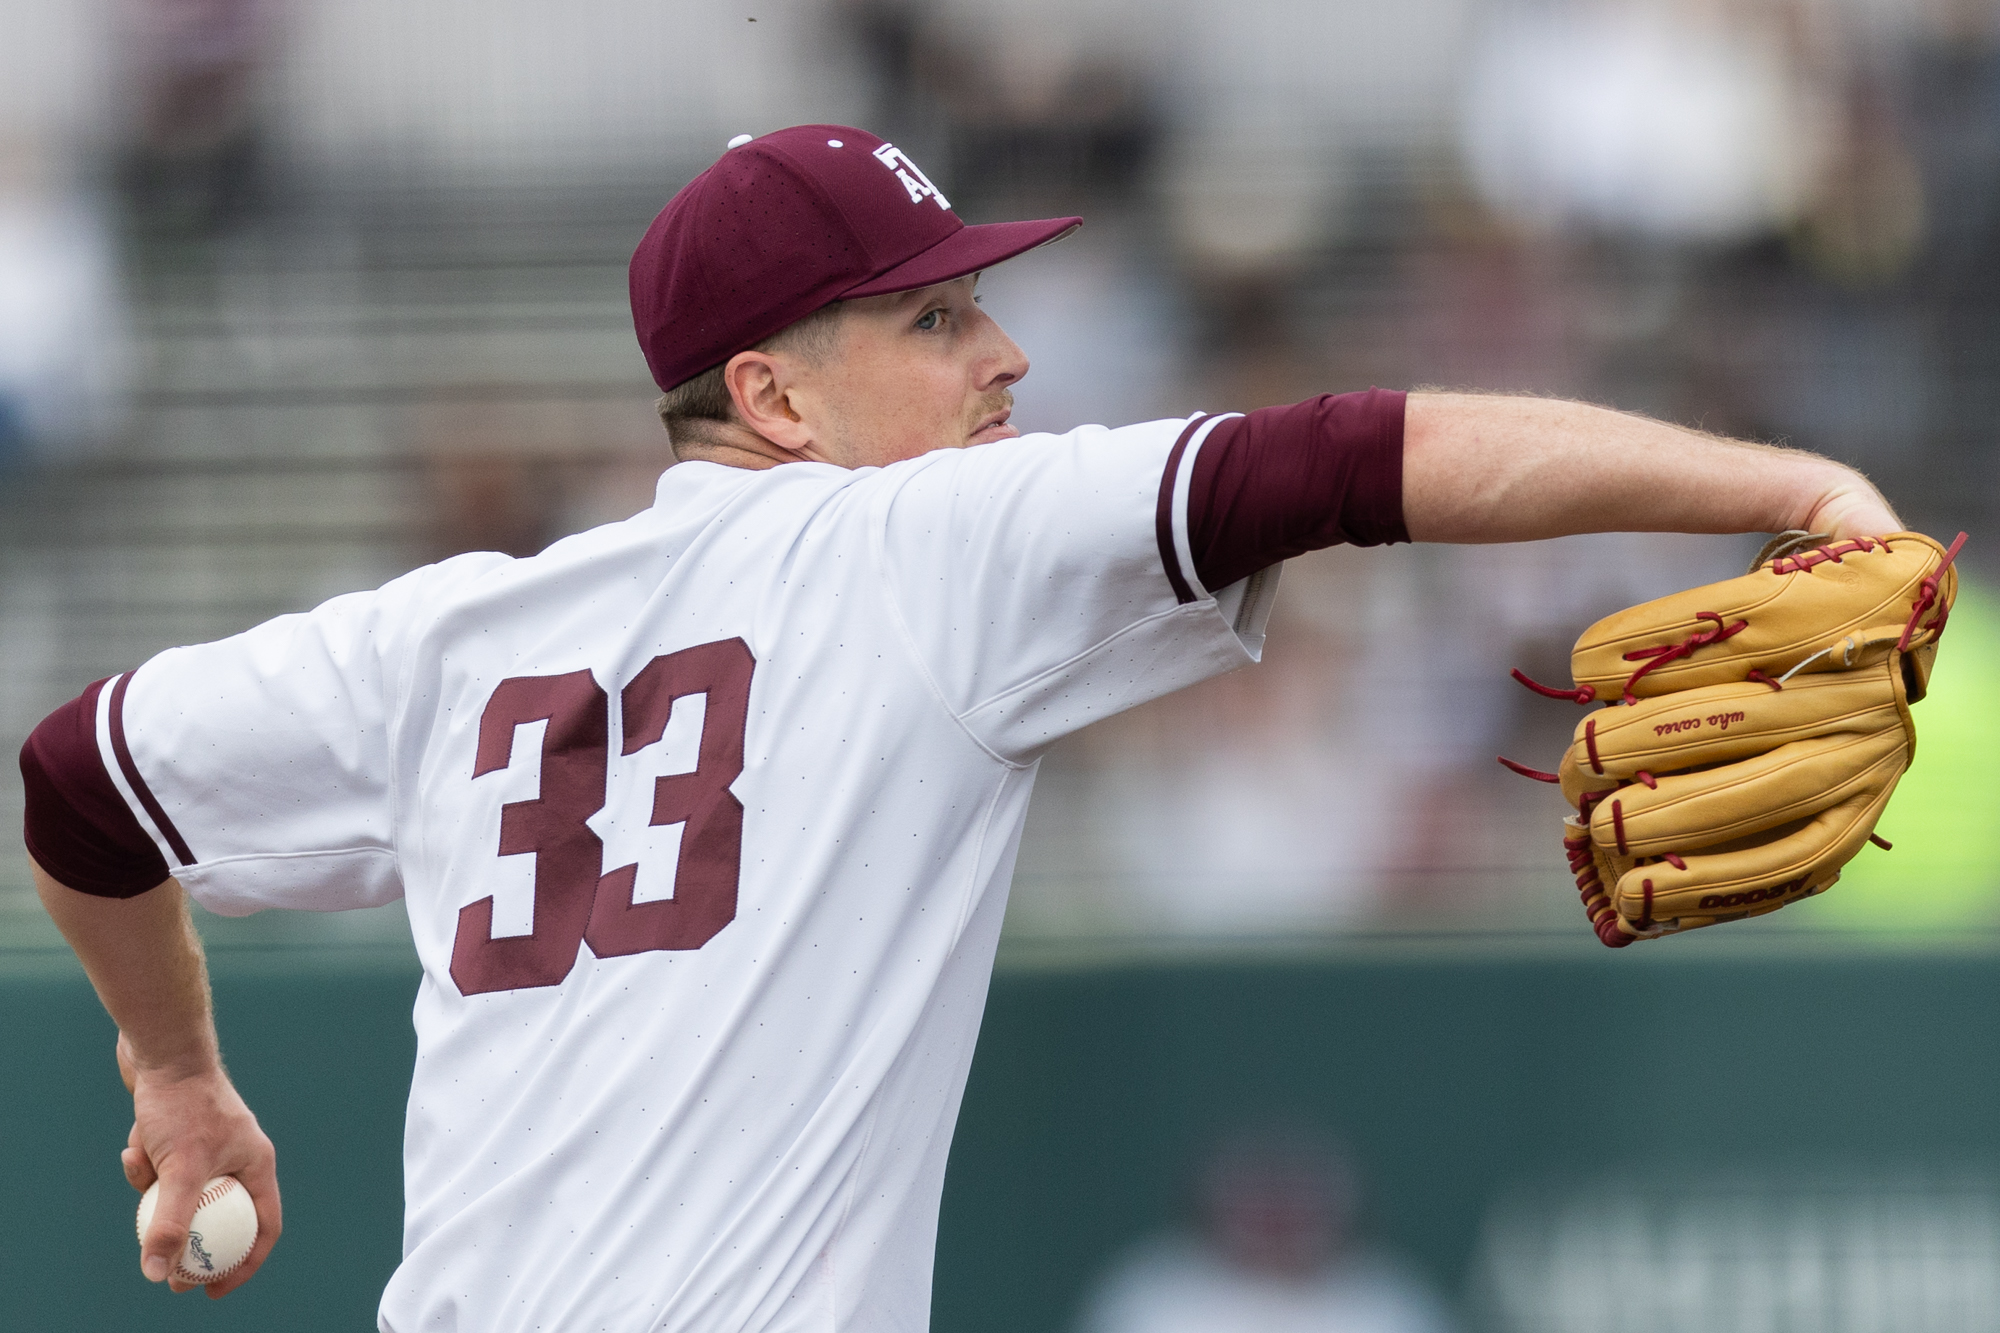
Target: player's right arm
[{"x": 188, "y": 1122}]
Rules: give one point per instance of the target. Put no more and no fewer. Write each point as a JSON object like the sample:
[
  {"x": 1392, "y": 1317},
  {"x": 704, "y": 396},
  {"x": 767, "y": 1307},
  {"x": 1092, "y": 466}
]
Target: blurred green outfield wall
[{"x": 1449, "y": 1077}]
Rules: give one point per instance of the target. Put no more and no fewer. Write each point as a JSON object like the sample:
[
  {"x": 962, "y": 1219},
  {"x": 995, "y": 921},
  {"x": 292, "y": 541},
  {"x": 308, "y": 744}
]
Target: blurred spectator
[
  {"x": 1274, "y": 1252},
  {"x": 64, "y": 347},
  {"x": 1252, "y": 206},
  {"x": 1951, "y": 83},
  {"x": 1238, "y": 807},
  {"x": 1010, "y": 105},
  {"x": 193, "y": 65},
  {"x": 1951, "y": 87},
  {"x": 1867, "y": 221},
  {"x": 513, "y": 477},
  {"x": 1665, "y": 119},
  {"x": 1098, "y": 321}
]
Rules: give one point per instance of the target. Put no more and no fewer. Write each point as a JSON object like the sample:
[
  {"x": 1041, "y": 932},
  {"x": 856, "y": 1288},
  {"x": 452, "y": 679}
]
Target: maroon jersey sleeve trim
[
  {"x": 76, "y": 825},
  {"x": 137, "y": 783},
  {"x": 1280, "y": 481},
  {"x": 1163, "y": 517}
]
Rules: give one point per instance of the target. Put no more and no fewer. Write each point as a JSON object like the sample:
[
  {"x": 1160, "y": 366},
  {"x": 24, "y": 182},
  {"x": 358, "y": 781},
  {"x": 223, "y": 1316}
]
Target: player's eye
[{"x": 929, "y": 320}]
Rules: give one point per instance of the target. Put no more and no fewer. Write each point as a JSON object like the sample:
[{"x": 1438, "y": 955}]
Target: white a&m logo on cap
[{"x": 913, "y": 178}]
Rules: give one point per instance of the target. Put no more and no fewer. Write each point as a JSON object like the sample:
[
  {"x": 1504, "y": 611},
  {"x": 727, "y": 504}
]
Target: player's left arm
[
  {"x": 1488, "y": 468},
  {"x": 189, "y": 1124}
]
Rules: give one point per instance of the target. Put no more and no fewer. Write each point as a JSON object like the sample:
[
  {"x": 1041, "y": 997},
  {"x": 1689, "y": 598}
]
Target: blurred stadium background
[{"x": 296, "y": 295}]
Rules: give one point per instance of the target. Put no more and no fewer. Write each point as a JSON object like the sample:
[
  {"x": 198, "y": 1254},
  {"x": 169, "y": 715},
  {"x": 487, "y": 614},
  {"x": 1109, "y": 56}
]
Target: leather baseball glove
[{"x": 1755, "y": 730}]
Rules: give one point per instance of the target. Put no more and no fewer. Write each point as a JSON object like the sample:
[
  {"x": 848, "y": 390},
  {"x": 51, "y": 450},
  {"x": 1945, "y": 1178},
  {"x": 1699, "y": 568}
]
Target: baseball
[{"x": 224, "y": 1229}]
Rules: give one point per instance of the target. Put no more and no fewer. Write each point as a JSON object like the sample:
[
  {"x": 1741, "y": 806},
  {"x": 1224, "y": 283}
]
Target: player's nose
[{"x": 1001, "y": 361}]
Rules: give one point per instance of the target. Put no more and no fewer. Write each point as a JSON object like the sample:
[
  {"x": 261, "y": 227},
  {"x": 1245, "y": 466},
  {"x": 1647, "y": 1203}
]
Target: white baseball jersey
[{"x": 704, "y": 821}]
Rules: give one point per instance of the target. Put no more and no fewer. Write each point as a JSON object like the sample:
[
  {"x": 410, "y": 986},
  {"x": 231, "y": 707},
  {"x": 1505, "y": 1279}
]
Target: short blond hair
[{"x": 688, "y": 405}]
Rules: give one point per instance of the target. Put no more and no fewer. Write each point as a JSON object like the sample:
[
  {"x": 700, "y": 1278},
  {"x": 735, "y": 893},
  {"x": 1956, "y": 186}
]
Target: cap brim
[{"x": 966, "y": 250}]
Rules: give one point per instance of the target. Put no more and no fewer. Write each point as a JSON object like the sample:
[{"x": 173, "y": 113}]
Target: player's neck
[{"x": 732, "y": 444}]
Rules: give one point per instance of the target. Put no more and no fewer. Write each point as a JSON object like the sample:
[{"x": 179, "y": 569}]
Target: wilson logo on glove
[
  {"x": 1758, "y": 738},
  {"x": 1776, "y": 891}
]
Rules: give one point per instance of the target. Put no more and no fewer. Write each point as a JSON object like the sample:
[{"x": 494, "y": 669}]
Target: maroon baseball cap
[{"x": 784, "y": 224}]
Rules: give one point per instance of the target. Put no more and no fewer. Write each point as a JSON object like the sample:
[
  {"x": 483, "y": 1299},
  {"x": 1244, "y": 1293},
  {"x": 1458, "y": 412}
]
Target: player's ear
[{"x": 759, "y": 384}]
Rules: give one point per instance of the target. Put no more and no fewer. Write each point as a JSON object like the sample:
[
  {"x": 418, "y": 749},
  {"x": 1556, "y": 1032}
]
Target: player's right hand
[
  {"x": 188, "y": 1127},
  {"x": 1852, "y": 507}
]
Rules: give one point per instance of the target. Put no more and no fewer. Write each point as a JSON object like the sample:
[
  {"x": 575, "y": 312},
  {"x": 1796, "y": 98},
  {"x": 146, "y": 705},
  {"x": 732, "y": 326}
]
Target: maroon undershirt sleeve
[
  {"x": 78, "y": 828},
  {"x": 1281, "y": 481}
]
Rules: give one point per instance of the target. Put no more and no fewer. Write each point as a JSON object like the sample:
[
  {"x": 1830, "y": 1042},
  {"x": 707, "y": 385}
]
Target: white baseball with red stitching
[{"x": 224, "y": 1229}]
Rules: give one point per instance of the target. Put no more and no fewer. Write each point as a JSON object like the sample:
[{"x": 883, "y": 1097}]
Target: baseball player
[{"x": 704, "y": 820}]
